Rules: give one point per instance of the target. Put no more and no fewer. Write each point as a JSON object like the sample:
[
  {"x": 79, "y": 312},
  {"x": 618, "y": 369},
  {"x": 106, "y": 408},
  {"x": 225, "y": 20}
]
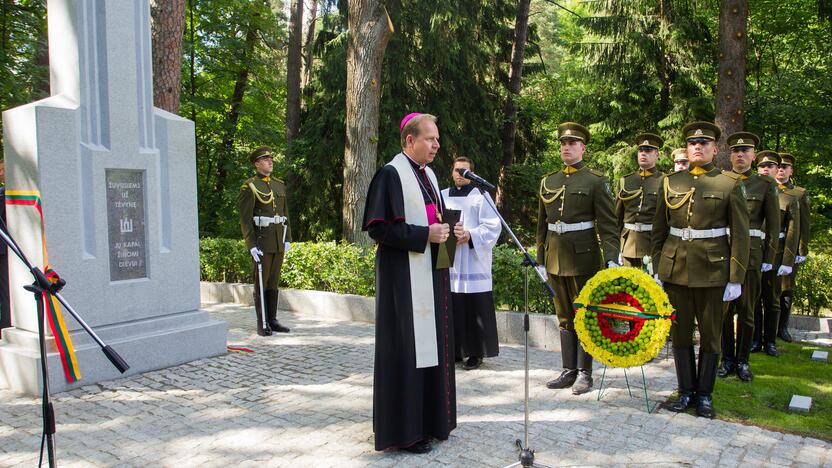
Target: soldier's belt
[
  {"x": 638, "y": 227},
  {"x": 692, "y": 234},
  {"x": 757, "y": 233},
  {"x": 560, "y": 228},
  {"x": 266, "y": 221}
]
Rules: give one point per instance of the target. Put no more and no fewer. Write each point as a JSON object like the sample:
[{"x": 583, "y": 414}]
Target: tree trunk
[
  {"x": 518, "y": 52},
  {"x": 370, "y": 29},
  {"x": 730, "y": 85},
  {"x": 293, "y": 66},
  {"x": 232, "y": 117},
  {"x": 309, "y": 45},
  {"x": 167, "y": 29},
  {"x": 42, "y": 87}
]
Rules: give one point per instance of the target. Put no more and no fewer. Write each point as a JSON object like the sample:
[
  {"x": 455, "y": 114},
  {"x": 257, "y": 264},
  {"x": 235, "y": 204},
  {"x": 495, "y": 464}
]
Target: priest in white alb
[{"x": 475, "y": 323}]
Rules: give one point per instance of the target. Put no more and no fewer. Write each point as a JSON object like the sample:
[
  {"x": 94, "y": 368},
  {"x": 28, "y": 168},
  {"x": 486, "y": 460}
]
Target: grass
[{"x": 764, "y": 401}]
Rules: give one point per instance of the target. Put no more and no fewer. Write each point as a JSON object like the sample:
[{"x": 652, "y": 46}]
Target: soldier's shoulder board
[
  {"x": 766, "y": 178},
  {"x": 546, "y": 175},
  {"x": 731, "y": 174},
  {"x": 799, "y": 190},
  {"x": 795, "y": 192},
  {"x": 246, "y": 183},
  {"x": 597, "y": 172}
]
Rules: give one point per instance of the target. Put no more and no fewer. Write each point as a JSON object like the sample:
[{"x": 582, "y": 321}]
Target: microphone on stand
[{"x": 466, "y": 173}]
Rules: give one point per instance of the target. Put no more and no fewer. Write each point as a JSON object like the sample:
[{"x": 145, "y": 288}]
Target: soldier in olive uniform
[
  {"x": 784, "y": 176},
  {"x": 680, "y": 159},
  {"x": 764, "y": 226},
  {"x": 636, "y": 201},
  {"x": 767, "y": 312},
  {"x": 700, "y": 265},
  {"x": 262, "y": 204},
  {"x": 574, "y": 204}
]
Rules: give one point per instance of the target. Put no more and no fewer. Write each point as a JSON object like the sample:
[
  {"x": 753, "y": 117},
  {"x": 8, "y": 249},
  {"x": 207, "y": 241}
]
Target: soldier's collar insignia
[
  {"x": 697, "y": 170},
  {"x": 266, "y": 179},
  {"x": 569, "y": 170},
  {"x": 781, "y": 186}
]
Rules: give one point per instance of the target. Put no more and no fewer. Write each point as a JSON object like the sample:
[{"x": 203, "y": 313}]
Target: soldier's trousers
[
  {"x": 743, "y": 308},
  {"x": 767, "y": 312},
  {"x": 706, "y": 307},
  {"x": 272, "y": 263},
  {"x": 567, "y": 289}
]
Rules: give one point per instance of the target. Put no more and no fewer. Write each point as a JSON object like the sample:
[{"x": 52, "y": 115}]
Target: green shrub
[
  {"x": 813, "y": 285},
  {"x": 350, "y": 269}
]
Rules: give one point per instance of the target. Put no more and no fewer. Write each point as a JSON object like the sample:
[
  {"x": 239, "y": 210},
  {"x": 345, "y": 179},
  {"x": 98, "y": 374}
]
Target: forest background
[{"x": 499, "y": 74}]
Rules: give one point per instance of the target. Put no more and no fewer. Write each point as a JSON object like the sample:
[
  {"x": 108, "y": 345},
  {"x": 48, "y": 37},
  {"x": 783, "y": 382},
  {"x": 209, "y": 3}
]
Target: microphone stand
[
  {"x": 40, "y": 285},
  {"x": 525, "y": 453}
]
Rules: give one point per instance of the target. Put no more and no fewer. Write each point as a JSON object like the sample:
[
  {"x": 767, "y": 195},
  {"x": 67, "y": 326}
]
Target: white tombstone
[{"x": 117, "y": 179}]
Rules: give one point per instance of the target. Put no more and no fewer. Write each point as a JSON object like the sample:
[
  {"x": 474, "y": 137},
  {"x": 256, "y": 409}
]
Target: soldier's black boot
[
  {"x": 727, "y": 366},
  {"x": 568, "y": 351},
  {"x": 744, "y": 334},
  {"x": 583, "y": 383},
  {"x": 785, "y": 312},
  {"x": 685, "y": 363},
  {"x": 262, "y": 328},
  {"x": 705, "y": 384},
  {"x": 271, "y": 308}
]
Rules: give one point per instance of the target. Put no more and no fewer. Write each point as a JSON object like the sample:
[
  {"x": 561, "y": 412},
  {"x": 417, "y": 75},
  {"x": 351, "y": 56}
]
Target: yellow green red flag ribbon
[{"x": 51, "y": 305}]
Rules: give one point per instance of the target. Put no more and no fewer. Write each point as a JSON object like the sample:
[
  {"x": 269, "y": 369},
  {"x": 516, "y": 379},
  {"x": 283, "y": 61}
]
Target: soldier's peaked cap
[
  {"x": 649, "y": 139},
  {"x": 706, "y": 130},
  {"x": 768, "y": 156},
  {"x": 786, "y": 159},
  {"x": 261, "y": 152},
  {"x": 743, "y": 139},
  {"x": 573, "y": 131}
]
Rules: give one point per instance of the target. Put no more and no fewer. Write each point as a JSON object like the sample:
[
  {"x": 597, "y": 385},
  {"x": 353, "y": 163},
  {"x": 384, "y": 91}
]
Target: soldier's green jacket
[
  {"x": 636, "y": 197},
  {"x": 790, "y": 221},
  {"x": 764, "y": 215},
  {"x": 805, "y": 219},
  {"x": 263, "y": 196},
  {"x": 710, "y": 200},
  {"x": 583, "y": 195}
]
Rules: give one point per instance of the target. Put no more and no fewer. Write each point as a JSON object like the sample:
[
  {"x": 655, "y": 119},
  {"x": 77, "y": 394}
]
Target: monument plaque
[{"x": 126, "y": 224}]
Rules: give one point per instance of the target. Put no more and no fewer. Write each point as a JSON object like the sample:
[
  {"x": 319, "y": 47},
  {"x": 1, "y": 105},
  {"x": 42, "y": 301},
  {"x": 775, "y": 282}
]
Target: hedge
[{"x": 348, "y": 268}]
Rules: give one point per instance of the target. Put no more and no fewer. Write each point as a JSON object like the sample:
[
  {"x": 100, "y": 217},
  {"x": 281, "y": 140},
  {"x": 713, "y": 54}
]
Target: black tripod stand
[
  {"x": 526, "y": 454},
  {"x": 42, "y": 285}
]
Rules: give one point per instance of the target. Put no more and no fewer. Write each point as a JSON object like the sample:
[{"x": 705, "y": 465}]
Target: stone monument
[{"x": 117, "y": 180}]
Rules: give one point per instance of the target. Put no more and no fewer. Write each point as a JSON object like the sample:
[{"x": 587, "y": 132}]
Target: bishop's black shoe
[
  {"x": 472, "y": 363},
  {"x": 423, "y": 446},
  {"x": 744, "y": 373},
  {"x": 756, "y": 347},
  {"x": 685, "y": 401},
  {"x": 583, "y": 383},
  {"x": 771, "y": 349}
]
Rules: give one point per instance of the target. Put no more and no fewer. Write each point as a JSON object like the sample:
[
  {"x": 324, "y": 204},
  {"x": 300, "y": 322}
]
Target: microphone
[{"x": 466, "y": 173}]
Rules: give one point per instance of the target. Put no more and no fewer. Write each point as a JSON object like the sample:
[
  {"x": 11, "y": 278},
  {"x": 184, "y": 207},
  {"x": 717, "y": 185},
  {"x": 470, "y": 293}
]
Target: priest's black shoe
[
  {"x": 685, "y": 401},
  {"x": 756, "y": 347},
  {"x": 423, "y": 446},
  {"x": 583, "y": 383},
  {"x": 705, "y": 406},
  {"x": 264, "y": 332},
  {"x": 565, "y": 379},
  {"x": 784, "y": 335},
  {"x": 472, "y": 363},
  {"x": 726, "y": 368},
  {"x": 277, "y": 327},
  {"x": 744, "y": 373},
  {"x": 771, "y": 349}
]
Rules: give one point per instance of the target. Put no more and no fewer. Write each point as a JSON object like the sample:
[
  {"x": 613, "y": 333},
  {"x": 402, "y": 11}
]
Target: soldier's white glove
[
  {"x": 658, "y": 281},
  {"x": 620, "y": 260},
  {"x": 732, "y": 291},
  {"x": 256, "y": 254},
  {"x": 612, "y": 264},
  {"x": 784, "y": 270},
  {"x": 541, "y": 270},
  {"x": 286, "y": 246},
  {"x": 798, "y": 259},
  {"x": 766, "y": 267}
]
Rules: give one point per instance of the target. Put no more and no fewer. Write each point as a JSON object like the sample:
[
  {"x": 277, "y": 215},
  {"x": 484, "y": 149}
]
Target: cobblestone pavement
[{"x": 305, "y": 399}]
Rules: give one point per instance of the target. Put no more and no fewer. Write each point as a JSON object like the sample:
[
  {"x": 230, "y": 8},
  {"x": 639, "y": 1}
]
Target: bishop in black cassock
[{"x": 414, "y": 391}]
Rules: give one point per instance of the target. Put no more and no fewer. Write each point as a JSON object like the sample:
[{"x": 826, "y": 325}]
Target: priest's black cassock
[{"x": 409, "y": 403}]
